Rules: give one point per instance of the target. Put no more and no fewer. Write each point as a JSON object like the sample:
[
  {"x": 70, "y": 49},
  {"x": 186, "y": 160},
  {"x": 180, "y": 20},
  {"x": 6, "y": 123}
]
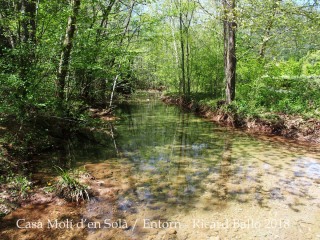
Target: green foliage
[
  {"x": 290, "y": 95},
  {"x": 69, "y": 187},
  {"x": 277, "y": 50},
  {"x": 311, "y": 64},
  {"x": 17, "y": 184},
  {"x": 249, "y": 69},
  {"x": 22, "y": 184}
]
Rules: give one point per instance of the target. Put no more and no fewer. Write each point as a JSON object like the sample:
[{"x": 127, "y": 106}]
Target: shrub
[{"x": 311, "y": 64}]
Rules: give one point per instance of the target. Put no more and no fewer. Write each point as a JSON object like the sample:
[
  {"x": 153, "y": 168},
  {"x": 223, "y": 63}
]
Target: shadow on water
[
  {"x": 179, "y": 160},
  {"x": 173, "y": 162}
]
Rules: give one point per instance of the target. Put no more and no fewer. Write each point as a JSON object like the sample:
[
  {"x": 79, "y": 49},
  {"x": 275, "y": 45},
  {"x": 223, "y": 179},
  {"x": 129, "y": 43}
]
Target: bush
[
  {"x": 290, "y": 95},
  {"x": 311, "y": 64}
]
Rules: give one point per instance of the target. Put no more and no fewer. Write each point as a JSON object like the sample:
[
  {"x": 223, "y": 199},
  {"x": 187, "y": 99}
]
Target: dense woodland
[{"x": 58, "y": 58}]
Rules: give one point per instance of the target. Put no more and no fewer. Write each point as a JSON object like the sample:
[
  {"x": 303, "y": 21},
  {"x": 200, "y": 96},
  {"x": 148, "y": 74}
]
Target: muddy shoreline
[
  {"x": 27, "y": 222},
  {"x": 292, "y": 128}
]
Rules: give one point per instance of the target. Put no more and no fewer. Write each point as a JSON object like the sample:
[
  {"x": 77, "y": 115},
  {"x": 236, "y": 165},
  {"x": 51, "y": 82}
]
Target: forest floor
[
  {"x": 21, "y": 144},
  {"x": 291, "y": 127}
]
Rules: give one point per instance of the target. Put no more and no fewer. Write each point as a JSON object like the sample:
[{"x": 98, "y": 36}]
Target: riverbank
[
  {"x": 45, "y": 216},
  {"x": 189, "y": 177},
  {"x": 23, "y": 144},
  {"x": 290, "y": 127}
]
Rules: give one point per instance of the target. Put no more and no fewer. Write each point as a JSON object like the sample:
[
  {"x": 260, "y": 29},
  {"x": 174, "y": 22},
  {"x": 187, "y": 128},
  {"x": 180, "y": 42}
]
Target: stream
[{"x": 169, "y": 174}]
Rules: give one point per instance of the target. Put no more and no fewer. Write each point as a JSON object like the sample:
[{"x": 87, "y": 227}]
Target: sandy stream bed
[{"x": 281, "y": 215}]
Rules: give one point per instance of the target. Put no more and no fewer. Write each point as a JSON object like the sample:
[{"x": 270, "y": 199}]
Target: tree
[
  {"x": 230, "y": 60},
  {"x": 267, "y": 32},
  {"x": 66, "y": 52},
  {"x": 186, "y": 13}
]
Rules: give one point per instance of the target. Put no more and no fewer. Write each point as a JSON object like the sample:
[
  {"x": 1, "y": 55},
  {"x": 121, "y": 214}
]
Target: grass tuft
[{"x": 70, "y": 188}]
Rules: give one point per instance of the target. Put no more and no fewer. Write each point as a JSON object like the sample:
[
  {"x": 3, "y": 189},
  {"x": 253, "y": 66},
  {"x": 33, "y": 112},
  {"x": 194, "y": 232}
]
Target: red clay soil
[{"x": 37, "y": 212}]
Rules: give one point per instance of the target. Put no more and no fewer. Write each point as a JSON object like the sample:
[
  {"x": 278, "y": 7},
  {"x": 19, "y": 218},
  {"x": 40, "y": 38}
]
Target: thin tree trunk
[
  {"x": 24, "y": 36},
  {"x": 6, "y": 36},
  {"x": 86, "y": 77},
  {"x": 105, "y": 19},
  {"x": 188, "y": 64},
  {"x": 187, "y": 27},
  {"x": 267, "y": 33},
  {"x": 230, "y": 49},
  {"x": 125, "y": 30},
  {"x": 66, "y": 51},
  {"x": 265, "y": 40},
  {"x": 28, "y": 9},
  {"x": 175, "y": 47},
  {"x": 28, "y": 40},
  {"x": 183, "y": 76},
  {"x": 113, "y": 88}
]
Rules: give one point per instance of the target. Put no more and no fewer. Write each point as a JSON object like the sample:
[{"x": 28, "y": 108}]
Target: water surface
[{"x": 193, "y": 179}]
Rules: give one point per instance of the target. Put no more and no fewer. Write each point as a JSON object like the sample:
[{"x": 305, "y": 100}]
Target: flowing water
[{"x": 168, "y": 174}]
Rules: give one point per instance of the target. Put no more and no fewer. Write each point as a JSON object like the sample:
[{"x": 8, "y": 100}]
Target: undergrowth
[{"x": 69, "y": 187}]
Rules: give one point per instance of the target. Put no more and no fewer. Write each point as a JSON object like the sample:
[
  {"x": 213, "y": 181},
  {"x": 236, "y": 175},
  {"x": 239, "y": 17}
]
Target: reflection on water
[
  {"x": 183, "y": 164},
  {"x": 178, "y": 157},
  {"x": 178, "y": 167}
]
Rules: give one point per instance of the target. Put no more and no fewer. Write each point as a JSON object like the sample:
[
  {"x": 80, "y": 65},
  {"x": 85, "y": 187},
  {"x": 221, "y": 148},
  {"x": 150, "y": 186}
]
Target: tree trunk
[
  {"x": 7, "y": 37},
  {"x": 122, "y": 38},
  {"x": 188, "y": 46},
  {"x": 269, "y": 26},
  {"x": 86, "y": 78},
  {"x": 175, "y": 46},
  {"x": 113, "y": 89},
  {"x": 28, "y": 9},
  {"x": 183, "y": 76},
  {"x": 188, "y": 63},
  {"x": 66, "y": 51},
  {"x": 105, "y": 19},
  {"x": 230, "y": 60},
  {"x": 28, "y": 43}
]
